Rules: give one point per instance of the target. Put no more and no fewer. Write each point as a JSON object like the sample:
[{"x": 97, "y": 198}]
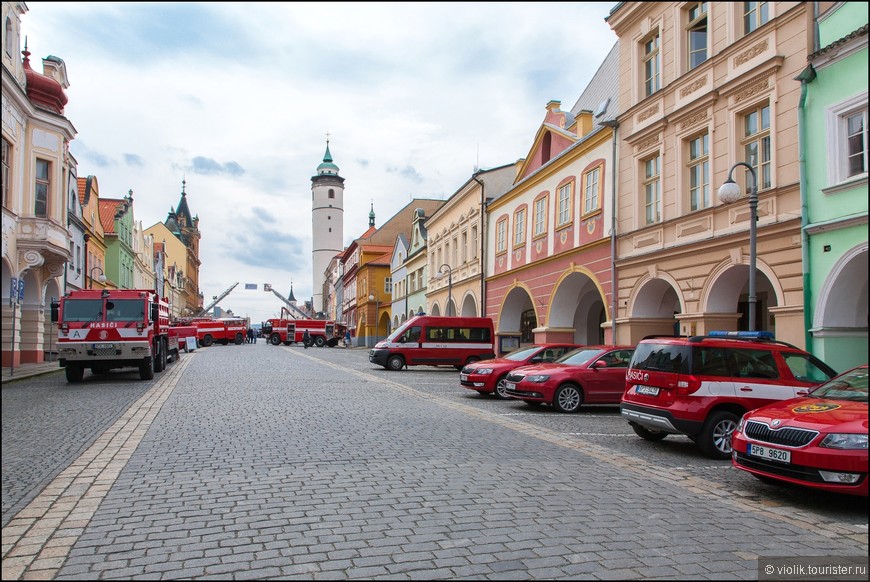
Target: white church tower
[{"x": 327, "y": 223}]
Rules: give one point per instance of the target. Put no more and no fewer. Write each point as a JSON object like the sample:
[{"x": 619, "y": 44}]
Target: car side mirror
[
  {"x": 599, "y": 364},
  {"x": 55, "y": 312},
  {"x": 155, "y": 311},
  {"x": 537, "y": 360}
]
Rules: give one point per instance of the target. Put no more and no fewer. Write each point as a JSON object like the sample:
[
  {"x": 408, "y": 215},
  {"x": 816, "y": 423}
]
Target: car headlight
[
  {"x": 845, "y": 441},
  {"x": 484, "y": 371},
  {"x": 537, "y": 378}
]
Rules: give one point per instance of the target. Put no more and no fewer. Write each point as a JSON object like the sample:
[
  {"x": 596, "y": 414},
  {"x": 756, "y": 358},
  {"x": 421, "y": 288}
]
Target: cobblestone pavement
[{"x": 255, "y": 461}]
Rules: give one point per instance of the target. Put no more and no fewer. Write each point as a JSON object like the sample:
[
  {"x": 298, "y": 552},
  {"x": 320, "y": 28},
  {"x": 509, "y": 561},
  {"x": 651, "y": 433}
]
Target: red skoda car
[
  {"x": 488, "y": 376},
  {"x": 818, "y": 440},
  {"x": 591, "y": 375}
]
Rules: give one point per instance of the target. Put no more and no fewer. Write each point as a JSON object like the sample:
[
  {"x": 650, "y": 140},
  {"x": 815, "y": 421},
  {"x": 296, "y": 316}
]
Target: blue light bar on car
[{"x": 760, "y": 335}]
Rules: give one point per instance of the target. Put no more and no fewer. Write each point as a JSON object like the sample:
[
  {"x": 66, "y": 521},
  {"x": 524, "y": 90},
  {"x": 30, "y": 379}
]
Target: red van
[{"x": 427, "y": 340}]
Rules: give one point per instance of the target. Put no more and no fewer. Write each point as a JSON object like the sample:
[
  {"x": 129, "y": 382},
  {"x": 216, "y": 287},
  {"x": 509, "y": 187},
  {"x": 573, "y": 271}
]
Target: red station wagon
[
  {"x": 488, "y": 376},
  {"x": 590, "y": 375},
  {"x": 700, "y": 386},
  {"x": 817, "y": 441}
]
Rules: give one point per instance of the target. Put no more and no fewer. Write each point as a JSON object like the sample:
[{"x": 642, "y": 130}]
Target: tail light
[{"x": 687, "y": 385}]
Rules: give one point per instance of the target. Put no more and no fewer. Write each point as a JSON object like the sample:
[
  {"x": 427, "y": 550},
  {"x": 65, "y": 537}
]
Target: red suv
[
  {"x": 701, "y": 386},
  {"x": 488, "y": 376}
]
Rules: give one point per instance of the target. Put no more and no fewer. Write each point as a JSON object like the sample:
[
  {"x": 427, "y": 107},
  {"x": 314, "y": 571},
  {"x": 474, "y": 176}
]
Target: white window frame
[
  {"x": 760, "y": 12},
  {"x": 564, "y": 201},
  {"x": 761, "y": 134},
  {"x": 837, "y": 145},
  {"x": 541, "y": 216},
  {"x": 520, "y": 227},
  {"x": 592, "y": 188},
  {"x": 652, "y": 181},
  {"x": 500, "y": 235},
  {"x": 699, "y": 194},
  {"x": 693, "y": 25},
  {"x": 43, "y": 184},
  {"x": 654, "y": 56}
]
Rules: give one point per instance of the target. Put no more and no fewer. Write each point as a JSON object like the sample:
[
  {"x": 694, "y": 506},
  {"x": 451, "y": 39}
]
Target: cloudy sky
[{"x": 237, "y": 99}]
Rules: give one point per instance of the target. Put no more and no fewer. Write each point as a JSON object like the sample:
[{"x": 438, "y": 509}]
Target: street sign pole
[{"x": 13, "y": 295}]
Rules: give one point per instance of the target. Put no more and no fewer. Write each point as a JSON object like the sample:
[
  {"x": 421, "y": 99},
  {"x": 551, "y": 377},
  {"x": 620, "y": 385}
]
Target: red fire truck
[
  {"x": 108, "y": 329},
  {"x": 222, "y": 330},
  {"x": 323, "y": 332}
]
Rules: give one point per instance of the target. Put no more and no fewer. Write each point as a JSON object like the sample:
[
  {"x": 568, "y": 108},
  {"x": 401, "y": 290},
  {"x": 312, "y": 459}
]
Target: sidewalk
[{"x": 23, "y": 371}]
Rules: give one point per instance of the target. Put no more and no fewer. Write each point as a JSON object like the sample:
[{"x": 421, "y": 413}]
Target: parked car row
[{"x": 775, "y": 410}]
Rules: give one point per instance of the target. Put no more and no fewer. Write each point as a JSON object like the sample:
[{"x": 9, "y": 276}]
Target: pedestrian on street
[
  {"x": 306, "y": 339},
  {"x": 249, "y": 337},
  {"x": 253, "y": 335},
  {"x": 347, "y": 338}
]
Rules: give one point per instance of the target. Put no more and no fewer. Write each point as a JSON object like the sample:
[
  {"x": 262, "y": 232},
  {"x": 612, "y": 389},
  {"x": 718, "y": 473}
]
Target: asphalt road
[{"x": 258, "y": 461}]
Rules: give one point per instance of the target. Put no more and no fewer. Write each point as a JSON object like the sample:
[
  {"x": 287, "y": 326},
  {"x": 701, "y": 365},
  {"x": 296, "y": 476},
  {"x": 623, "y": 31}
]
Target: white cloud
[{"x": 237, "y": 98}]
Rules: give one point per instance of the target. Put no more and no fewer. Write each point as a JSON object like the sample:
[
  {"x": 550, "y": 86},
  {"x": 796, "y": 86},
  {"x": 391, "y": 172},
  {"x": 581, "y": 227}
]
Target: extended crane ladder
[
  {"x": 293, "y": 311},
  {"x": 218, "y": 300}
]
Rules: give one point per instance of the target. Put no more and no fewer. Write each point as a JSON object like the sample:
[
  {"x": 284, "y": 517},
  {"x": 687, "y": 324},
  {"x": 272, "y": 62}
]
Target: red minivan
[{"x": 428, "y": 340}]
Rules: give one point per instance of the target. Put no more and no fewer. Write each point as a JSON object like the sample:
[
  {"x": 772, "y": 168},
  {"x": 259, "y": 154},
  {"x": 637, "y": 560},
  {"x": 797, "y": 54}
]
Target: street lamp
[
  {"x": 729, "y": 192},
  {"x": 101, "y": 279},
  {"x": 377, "y": 300},
  {"x": 449, "y": 285}
]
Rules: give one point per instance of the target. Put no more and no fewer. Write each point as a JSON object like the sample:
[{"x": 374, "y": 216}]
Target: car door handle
[{"x": 746, "y": 389}]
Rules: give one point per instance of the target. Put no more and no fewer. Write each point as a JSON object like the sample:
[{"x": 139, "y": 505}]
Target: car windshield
[
  {"x": 578, "y": 357},
  {"x": 849, "y": 386},
  {"x": 83, "y": 310},
  {"x": 521, "y": 354},
  {"x": 125, "y": 310}
]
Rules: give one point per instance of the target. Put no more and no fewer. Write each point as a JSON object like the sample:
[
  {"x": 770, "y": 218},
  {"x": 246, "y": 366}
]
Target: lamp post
[
  {"x": 102, "y": 278},
  {"x": 729, "y": 192},
  {"x": 449, "y": 285},
  {"x": 377, "y": 300}
]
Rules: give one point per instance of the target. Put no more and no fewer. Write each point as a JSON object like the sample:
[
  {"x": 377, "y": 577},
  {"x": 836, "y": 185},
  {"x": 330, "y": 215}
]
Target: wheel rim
[
  {"x": 722, "y": 435},
  {"x": 569, "y": 399},
  {"x": 500, "y": 388}
]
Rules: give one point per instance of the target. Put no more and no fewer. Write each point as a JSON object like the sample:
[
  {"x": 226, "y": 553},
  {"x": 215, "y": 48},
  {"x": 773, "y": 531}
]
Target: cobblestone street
[{"x": 257, "y": 461}]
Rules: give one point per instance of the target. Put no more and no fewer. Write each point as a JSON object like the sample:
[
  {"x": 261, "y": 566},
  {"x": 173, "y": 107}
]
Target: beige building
[
  {"x": 705, "y": 86},
  {"x": 455, "y": 273},
  {"x": 37, "y": 169}
]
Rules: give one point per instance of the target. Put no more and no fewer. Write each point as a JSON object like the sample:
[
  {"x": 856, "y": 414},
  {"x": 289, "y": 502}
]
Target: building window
[
  {"x": 590, "y": 199},
  {"x": 474, "y": 242},
  {"x": 652, "y": 188},
  {"x": 519, "y": 227},
  {"x": 756, "y": 144},
  {"x": 7, "y": 178},
  {"x": 697, "y": 34},
  {"x": 331, "y": 193},
  {"x": 388, "y": 285},
  {"x": 42, "y": 184},
  {"x": 754, "y": 15},
  {"x": 565, "y": 202},
  {"x": 500, "y": 235},
  {"x": 856, "y": 143},
  {"x": 540, "y": 216},
  {"x": 651, "y": 65},
  {"x": 699, "y": 172},
  {"x": 464, "y": 247}
]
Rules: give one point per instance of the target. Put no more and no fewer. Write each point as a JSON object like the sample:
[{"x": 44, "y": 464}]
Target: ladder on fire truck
[
  {"x": 292, "y": 310},
  {"x": 217, "y": 300}
]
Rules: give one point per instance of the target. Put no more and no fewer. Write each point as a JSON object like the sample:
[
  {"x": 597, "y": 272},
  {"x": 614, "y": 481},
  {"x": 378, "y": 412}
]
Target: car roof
[{"x": 722, "y": 341}]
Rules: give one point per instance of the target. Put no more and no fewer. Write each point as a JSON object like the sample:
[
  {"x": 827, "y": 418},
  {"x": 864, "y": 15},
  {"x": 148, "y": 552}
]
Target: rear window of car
[{"x": 658, "y": 357}]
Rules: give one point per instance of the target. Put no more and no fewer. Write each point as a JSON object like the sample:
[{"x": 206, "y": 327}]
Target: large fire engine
[
  {"x": 222, "y": 330},
  {"x": 108, "y": 329},
  {"x": 323, "y": 332}
]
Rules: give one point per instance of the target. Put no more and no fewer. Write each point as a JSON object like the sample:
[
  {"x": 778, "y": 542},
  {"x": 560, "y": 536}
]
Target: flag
[
  {"x": 267, "y": 287},
  {"x": 250, "y": 286}
]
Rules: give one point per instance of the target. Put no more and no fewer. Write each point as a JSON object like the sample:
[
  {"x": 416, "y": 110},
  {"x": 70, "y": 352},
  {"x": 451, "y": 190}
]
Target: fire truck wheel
[
  {"x": 319, "y": 341},
  {"x": 146, "y": 369},
  {"x": 207, "y": 340},
  {"x": 159, "y": 355},
  {"x": 164, "y": 354},
  {"x": 275, "y": 339},
  {"x": 239, "y": 339},
  {"x": 74, "y": 373}
]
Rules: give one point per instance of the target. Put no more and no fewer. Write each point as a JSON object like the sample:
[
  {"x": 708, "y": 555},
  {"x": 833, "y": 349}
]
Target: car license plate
[
  {"x": 647, "y": 390},
  {"x": 770, "y": 454},
  {"x": 463, "y": 377},
  {"x": 510, "y": 386},
  {"x": 104, "y": 346}
]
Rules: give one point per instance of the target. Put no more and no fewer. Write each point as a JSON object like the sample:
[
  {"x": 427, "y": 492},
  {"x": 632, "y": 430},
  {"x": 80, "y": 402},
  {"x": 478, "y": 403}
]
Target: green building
[{"x": 833, "y": 127}]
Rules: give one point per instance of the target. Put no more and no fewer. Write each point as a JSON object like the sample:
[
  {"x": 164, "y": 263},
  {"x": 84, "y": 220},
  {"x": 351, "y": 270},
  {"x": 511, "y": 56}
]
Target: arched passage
[
  {"x": 517, "y": 316},
  {"x": 578, "y": 304},
  {"x": 841, "y": 317},
  {"x": 728, "y": 293},
  {"x": 469, "y": 306}
]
